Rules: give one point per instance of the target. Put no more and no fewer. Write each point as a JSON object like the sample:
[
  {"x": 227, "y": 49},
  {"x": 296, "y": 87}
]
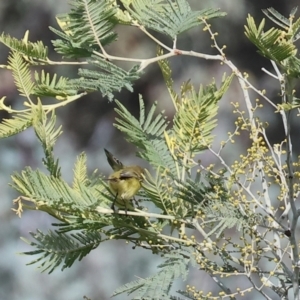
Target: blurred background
[{"x": 87, "y": 125}]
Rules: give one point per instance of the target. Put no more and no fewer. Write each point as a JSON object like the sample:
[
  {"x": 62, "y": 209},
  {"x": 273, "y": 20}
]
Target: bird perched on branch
[{"x": 124, "y": 182}]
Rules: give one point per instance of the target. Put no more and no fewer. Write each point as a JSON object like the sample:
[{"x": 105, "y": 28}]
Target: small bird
[{"x": 124, "y": 182}]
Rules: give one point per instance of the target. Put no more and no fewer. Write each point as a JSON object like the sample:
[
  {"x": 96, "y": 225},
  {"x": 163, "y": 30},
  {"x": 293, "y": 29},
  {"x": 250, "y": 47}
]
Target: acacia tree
[{"x": 198, "y": 202}]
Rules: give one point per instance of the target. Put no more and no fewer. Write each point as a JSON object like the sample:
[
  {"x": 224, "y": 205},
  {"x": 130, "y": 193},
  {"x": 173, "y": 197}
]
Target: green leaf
[
  {"x": 222, "y": 215},
  {"x": 42, "y": 188},
  {"x": 80, "y": 172},
  {"x": 170, "y": 17},
  {"x": 274, "y": 44},
  {"x": 276, "y": 17},
  {"x": 55, "y": 248},
  {"x": 21, "y": 73},
  {"x": 158, "y": 286},
  {"x": 23, "y": 47},
  {"x": 167, "y": 74},
  {"x": 107, "y": 78},
  {"x": 47, "y": 134},
  {"x": 147, "y": 134},
  {"x": 196, "y": 117},
  {"x": 51, "y": 87},
  {"x": 291, "y": 25},
  {"x": 18, "y": 123},
  {"x": 156, "y": 189},
  {"x": 87, "y": 28},
  {"x": 292, "y": 66}
]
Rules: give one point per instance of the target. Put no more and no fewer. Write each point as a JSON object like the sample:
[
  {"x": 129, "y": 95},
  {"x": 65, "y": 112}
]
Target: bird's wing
[{"x": 127, "y": 173}]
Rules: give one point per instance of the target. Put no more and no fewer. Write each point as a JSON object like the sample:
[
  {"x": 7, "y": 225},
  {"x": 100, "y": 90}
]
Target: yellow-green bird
[{"x": 124, "y": 182}]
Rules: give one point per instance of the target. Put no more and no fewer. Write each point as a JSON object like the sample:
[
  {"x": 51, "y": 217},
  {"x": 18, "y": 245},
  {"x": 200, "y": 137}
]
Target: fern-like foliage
[
  {"x": 221, "y": 215},
  {"x": 49, "y": 190},
  {"x": 107, "y": 78},
  {"x": 167, "y": 75},
  {"x": 285, "y": 23},
  {"x": 147, "y": 134},
  {"x": 270, "y": 43},
  {"x": 56, "y": 248},
  {"x": 87, "y": 28},
  {"x": 194, "y": 192},
  {"x": 24, "y": 47},
  {"x": 80, "y": 172},
  {"x": 195, "y": 118},
  {"x": 210, "y": 197},
  {"x": 156, "y": 190},
  {"x": 51, "y": 87},
  {"x": 47, "y": 134},
  {"x": 170, "y": 17},
  {"x": 158, "y": 286},
  {"x": 21, "y": 73},
  {"x": 16, "y": 124},
  {"x": 277, "y": 44}
]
